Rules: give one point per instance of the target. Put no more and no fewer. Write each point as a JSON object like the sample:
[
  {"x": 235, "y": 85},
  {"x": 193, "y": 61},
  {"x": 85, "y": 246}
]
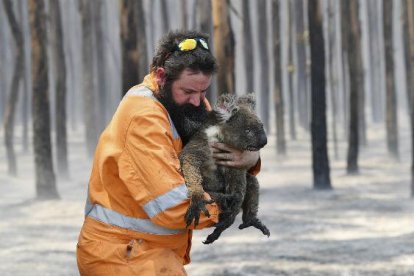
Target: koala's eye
[{"x": 248, "y": 132}]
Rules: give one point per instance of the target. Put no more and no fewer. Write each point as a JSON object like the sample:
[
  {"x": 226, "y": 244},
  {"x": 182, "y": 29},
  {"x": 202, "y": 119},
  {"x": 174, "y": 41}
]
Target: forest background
[{"x": 334, "y": 86}]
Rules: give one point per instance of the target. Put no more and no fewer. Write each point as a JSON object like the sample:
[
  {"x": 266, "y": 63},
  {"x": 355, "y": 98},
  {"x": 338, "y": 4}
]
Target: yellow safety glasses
[{"x": 191, "y": 43}]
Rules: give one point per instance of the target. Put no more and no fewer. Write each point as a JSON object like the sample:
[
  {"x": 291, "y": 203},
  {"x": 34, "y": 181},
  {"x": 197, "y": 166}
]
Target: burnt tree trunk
[
  {"x": 302, "y": 84},
  {"x": 333, "y": 75},
  {"x": 89, "y": 100},
  {"x": 407, "y": 60},
  {"x": 224, "y": 46},
  {"x": 165, "y": 19},
  {"x": 151, "y": 23},
  {"x": 203, "y": 21},
  {"x": 25, "y": 75},
  {"x": 410, "y": 76},
  {"x": 143, "y": 67},
  {"x": 375, "y": 62},
  {"x": 129, "y": 44},
  {"x": 102, "y": 82},
  {"x": 3, "y": 54},
  {"x": 362, "y": 125},
  {"x": 45, "y": 177},
  {"x": 184, "y": 15},
  {"x": 350, "y": 14},
  {"x": 320, "y": 161},
  {"x": 345, "y": 21},
  {"x": 391, "y": 103},
  {"x": 278, "y": 95},
  {"x": 291, "y": 71},
  {"x": 14, "y": 88},
  {"x": 248, "y": 47},
  {"x": 59, "y": 58},
  {"x": 264, "y": 63},
  {"x": 202, "y": 16}
]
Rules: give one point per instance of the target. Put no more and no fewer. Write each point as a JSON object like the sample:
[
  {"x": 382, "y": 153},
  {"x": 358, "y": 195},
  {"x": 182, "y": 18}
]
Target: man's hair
[{"x": 175, "y": 61}]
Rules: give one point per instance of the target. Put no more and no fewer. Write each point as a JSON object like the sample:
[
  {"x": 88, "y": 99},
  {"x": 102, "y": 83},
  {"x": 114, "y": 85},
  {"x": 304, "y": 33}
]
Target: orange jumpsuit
[{"x": 134, "y": 215}]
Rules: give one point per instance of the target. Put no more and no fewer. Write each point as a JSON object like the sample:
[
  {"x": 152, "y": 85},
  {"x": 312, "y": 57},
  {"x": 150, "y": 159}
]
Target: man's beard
[{"x": 187, "y": 118}]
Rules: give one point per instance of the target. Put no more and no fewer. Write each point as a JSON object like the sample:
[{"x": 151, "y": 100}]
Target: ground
[{"x": 364, "y": 226}]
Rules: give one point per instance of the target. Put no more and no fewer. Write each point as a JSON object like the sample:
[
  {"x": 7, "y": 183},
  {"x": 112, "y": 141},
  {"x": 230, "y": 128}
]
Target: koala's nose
[{"x": 262, "y": 140}]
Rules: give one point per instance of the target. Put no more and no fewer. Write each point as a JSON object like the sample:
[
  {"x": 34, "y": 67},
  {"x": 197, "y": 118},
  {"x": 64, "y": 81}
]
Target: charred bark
[
  {"x": 129, "y": 44},
  {"x": 45, "y": 177},
  {"x": 407, "y": 60},
  {"x": 14, "y": 88},
  {"x": 202, "y": 16},
  {"x": 320, "y": 161},
  {"x": 332, "y": 73},
  {"x": 278, "y": 95},
  {"x": 165, "y": 19},
  {"x": 302, "y": 84},
  {"x": 264, "y": 63},
  {"x": 89, "y": 99},
  {"x": 142, "y": 42},
  {"x": 291, "y": 71},
  {"x": 350, "y": 12},
  {"x": 410, "y": 76},
  {"x": 59, "y": 58},
  {"x": 391, "y": 103},
  {"x": 184, "y": 15},
  {"x": 375, "y": 62},
  {"x": 25, "y": 75},
  {"x": 102, "y": 82},
  {"x": 224, "y": 46},
  {"x": 248, "y": 47}
]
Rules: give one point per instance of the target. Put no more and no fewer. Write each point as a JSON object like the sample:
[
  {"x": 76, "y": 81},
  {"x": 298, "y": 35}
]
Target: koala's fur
[{"x": 234, "y": 123}]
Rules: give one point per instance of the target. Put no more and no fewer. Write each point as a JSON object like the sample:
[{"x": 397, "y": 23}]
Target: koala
[{"x": 234, "y": 123}]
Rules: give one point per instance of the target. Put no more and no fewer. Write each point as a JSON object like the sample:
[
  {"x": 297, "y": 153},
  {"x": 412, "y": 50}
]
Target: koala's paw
[
  {"x": 255, "y": 222},
  {"x": 211, "y": 238},
  {"x": 193, "y": 212}
]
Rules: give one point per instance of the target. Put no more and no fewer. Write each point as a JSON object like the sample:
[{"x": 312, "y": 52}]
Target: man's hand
[{"x": 231, "y": 157}]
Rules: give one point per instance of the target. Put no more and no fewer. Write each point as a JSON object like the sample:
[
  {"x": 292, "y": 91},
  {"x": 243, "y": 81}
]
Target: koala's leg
[
  {"x": 225, "y": 221},
  {"x": 251, "y": 199},
  {"x": 235, "y": 188},
  {"x": 251, "y": 206},
  {"x": 193, "y": 179}
]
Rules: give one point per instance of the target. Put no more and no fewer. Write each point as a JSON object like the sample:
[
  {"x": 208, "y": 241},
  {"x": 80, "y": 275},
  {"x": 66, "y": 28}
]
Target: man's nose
[{"x": 195, "y": 100}]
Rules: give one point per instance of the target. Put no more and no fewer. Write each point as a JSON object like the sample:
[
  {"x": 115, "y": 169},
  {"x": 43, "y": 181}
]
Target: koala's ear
[
  {"x": 248, "y": 100},
  {"x": 225, "y": 106}
]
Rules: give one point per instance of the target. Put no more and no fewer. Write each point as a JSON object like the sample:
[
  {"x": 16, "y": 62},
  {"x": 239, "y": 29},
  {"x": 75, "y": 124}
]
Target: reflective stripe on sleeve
[
  {"x": 165, "y": 201},
  {"x": 111, "y": 217},
  {"x": 140, "y": 91}
]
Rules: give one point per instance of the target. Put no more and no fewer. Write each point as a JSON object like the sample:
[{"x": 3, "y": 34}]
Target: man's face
[
  {"x": 190, "y": 88},
  {"x": 184, "y": 100}
]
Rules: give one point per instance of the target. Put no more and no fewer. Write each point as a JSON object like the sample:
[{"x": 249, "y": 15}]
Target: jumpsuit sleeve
[{"x": 151, "y": 171}]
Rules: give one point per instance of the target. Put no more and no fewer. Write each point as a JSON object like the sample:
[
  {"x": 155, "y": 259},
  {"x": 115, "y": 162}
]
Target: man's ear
[{"x": 160, "y": 76}]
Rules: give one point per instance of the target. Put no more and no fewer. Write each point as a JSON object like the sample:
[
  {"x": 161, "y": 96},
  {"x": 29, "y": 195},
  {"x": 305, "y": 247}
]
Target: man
[{"x": 134, "y": 216}]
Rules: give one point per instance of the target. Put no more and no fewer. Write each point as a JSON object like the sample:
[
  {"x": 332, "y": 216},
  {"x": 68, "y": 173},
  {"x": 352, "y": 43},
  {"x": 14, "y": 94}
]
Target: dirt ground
[{"x": 364, "y": 226}]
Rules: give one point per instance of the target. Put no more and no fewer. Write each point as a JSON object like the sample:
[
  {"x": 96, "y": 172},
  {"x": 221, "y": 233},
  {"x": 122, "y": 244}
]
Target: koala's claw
[
  {"x": 211, "y": 238},
  {"x": 257, "y": 224},
  {"x": 193, "y": 212}
]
